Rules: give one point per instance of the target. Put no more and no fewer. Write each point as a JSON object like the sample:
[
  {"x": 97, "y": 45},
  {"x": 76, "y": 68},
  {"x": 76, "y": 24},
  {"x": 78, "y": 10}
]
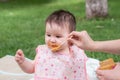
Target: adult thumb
[{"x": 100, "y": 72}]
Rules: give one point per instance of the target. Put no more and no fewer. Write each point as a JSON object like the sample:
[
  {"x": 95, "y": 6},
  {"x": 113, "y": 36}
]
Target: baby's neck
[{"x": 65, "y": 51}]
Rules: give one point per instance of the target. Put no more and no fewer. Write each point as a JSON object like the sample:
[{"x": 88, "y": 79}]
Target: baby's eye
[
  {"x": 48, "y": 35},
  {"x": 58, "y": 36}
]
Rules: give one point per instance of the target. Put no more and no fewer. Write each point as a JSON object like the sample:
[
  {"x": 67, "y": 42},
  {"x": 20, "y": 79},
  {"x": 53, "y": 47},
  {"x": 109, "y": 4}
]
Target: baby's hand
[{"x": 19, "y": 56}]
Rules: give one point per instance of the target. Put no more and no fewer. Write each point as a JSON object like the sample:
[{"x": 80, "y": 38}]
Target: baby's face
[{"x": 56, "y": 35}]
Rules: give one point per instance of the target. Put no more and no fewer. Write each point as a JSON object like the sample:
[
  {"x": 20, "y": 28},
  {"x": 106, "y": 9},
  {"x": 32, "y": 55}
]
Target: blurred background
[{"x": 22, "y": 24}]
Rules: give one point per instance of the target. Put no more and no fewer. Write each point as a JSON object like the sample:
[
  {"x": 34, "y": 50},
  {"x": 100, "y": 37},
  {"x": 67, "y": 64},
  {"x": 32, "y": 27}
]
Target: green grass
[{"x": 22, "y": 24}]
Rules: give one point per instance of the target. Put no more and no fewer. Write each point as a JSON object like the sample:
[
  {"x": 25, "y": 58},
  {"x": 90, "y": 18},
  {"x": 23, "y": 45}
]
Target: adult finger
[
  {"x": 74, "y": 33},
  {"x": 74, "y": 41},
  {"x": 100, "y": 77},
  {"x": 100, "y": 72}
]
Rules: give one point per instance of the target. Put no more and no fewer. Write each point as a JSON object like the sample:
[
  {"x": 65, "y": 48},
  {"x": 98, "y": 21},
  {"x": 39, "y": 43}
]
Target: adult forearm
[{"x": 112, "y": 46}]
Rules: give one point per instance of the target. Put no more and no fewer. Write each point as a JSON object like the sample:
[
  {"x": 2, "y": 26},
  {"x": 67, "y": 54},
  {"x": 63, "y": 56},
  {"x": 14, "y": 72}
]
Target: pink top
[{"x": 56, "y": 66}]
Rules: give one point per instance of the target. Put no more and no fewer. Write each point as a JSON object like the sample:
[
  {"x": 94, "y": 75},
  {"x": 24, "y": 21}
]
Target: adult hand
[
  {"x": 81, "y": 39},
  {"x": 113, "y": 74}
]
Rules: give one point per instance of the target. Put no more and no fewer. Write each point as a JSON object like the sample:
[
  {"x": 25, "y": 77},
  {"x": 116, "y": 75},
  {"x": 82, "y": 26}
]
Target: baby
[{"x": 57, "y": 59}]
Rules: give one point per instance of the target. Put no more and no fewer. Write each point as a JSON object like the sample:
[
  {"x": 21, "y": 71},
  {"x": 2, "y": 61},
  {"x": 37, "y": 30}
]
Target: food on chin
[{"x": 54, "y": 46}]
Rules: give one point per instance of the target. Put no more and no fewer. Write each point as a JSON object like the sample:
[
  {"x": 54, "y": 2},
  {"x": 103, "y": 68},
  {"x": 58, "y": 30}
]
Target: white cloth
[
  {"x": 9, "y": 70},
  {"x": 91, "y": 66}
]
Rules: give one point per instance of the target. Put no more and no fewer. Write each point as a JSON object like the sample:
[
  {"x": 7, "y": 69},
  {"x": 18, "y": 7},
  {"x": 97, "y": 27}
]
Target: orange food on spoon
[{"x": 107, "y": 64}]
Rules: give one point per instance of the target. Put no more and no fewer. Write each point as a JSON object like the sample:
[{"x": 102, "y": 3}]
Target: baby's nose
[{"x": 53, "y": 40}]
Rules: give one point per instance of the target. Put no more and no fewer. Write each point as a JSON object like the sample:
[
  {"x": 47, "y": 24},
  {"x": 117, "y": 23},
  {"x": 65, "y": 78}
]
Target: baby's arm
[{"x": 26, "y": 65}]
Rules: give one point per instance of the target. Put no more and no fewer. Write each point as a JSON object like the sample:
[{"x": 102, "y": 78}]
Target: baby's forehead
[
  {"x": 54, "y": 26},
  {"x": 56, "y": 29}
]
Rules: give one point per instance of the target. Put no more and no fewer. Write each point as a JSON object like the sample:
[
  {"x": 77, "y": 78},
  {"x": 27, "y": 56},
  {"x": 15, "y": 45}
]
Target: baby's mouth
[{"x": 54, "y": 46}]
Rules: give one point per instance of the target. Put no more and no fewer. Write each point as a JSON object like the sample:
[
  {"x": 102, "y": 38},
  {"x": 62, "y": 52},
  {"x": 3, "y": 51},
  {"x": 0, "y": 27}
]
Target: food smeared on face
[{"x": 54, "y": 46}]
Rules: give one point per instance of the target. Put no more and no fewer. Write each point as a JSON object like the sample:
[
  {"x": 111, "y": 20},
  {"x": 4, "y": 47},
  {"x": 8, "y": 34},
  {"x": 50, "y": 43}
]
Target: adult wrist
[
  {"x": 97, "y": 46},
  {"x": 93, "y": 46}
]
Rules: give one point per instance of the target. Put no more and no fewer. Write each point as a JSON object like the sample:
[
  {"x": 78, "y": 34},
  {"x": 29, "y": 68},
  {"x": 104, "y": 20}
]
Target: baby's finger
[
  {"x": 17, "y": 58},
  {"x": 20, "y": 52}
]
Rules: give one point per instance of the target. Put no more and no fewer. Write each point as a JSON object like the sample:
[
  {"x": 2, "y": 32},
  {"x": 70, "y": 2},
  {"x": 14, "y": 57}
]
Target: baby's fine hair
[{"x": 62, "y": 18}]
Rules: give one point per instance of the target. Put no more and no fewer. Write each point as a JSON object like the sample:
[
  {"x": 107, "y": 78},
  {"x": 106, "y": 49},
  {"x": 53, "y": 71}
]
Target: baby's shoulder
[
  {"x": 78, "y": 52},
  {"x": 75, "y": 48},
  {"x": 41, "y": 47}
]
